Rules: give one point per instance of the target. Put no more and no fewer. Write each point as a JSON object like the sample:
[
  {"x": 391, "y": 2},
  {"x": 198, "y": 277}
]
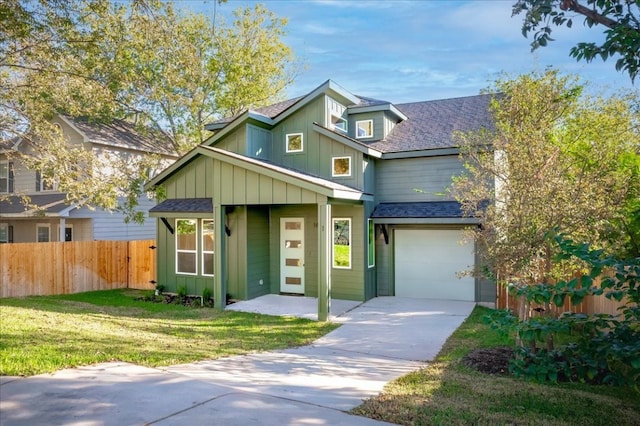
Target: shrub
[
  {"x": 599, "y": 348},
  {"x": 182, "y": 292}
]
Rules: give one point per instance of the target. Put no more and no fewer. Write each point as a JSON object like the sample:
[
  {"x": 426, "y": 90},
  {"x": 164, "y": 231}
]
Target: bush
[
  {"x": 182, "y": 292},
  {"x": 598, "y": 348}
]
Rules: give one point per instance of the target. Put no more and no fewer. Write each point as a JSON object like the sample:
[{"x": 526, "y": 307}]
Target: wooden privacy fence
[
  {"x": 590, "y": 304},
  {"x": 28, "y": 269}
]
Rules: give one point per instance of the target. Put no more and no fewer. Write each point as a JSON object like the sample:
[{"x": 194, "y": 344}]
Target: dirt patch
[{"x": 490, "y": 360}]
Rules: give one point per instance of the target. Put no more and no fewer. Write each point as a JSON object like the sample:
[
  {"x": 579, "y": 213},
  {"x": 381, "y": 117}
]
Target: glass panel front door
[{"x": 292, "y": 255}]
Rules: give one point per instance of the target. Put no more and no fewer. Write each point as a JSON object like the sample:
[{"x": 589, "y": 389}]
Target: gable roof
[
  {"x": 313, "y": 183},
  {"x": 122, "y": 134},
  {"x": 433, "y": 124},
  {"x": 421, "y": 126}
]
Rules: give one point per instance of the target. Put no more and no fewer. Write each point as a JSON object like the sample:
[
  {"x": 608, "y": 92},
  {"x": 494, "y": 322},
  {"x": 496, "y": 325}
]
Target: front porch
[{"x": 292, "y": 306}]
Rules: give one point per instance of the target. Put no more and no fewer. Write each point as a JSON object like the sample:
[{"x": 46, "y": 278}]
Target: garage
[{"x": 427, "y": 261}]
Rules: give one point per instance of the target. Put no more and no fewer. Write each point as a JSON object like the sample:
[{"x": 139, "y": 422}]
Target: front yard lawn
[
  {"x": 46, "y": 333},
  {"x": 449, "y": 393}
]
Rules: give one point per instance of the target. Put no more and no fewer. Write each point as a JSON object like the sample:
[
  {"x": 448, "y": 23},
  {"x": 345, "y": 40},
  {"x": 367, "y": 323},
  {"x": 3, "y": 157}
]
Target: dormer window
[
  {"x": 338, "y": 123},
  {"x": 364, "y": 129},
  {"x": 294, "y": 142}
]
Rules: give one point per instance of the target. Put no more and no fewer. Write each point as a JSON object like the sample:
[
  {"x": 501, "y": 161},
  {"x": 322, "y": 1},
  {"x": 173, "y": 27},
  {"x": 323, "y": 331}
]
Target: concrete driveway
[{"x": 379, "y": 341}]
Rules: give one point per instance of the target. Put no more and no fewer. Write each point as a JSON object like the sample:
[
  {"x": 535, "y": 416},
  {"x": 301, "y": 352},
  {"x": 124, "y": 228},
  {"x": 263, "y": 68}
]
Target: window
[
  {"x": 364, "y": 129},
  {"x": 342, "y": 243},
  {"x": 186, "y": 246},
  {"x": 6, "y": 176},
  {"x": 372, "y": 243},
  {"x": 43, "y": 232},
  {"x": 341, "y": 166},
  {"x": 6, "y": 233},
  {"x": 338, "y": 123},
  {"x": 44, "y": 183},
  {"x": 294, "y": 142},
  {"x": 208, "y": 247}
]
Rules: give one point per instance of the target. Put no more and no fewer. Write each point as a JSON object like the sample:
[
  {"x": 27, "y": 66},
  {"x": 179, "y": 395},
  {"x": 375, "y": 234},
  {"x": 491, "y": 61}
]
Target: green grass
[
  {"x": 46, "y": 333},
  {"x": 449, "y": 393},
  {"x": 341, "y": 255}
]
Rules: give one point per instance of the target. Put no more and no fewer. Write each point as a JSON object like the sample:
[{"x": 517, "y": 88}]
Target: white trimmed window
[
  {"x": 364, "y": 129},
  {"x": 186, "y": 246},
  {"x": 44, "y": 183},
  {"x": 341, "y": 166},
  {"x": 294, "y": 142},
  {"x": 6, "y": 177},
  {"x": 43, "y": 232},
  {"x": 341, "y": 243},
  {"x": 338, "y": 123},
  {"x": 208, "y": 247},
  {"x": 371, "y": 241},
  {"x": 4, "y": 233}
]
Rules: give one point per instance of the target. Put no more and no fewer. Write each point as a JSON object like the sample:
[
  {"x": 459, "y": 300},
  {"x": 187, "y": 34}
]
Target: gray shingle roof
[
  {"x": 184, "y": 205},
  {"x": 426, "y": 209},
  {"x": 432, "y": 124},
  {"x": 47, "y": 203},
  {"x": 122, "y": 134}
]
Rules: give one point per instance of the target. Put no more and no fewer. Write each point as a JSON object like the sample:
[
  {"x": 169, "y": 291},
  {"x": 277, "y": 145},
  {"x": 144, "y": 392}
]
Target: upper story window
[
  {"x": 294, "y": 142},
  {"x": 364, "y": 129},
  {"x": 44, "y": 183},
  {"x": 6, "y": 176},
  {"x": 341, "y": 166},
  {"x": 338, "y": 123}
]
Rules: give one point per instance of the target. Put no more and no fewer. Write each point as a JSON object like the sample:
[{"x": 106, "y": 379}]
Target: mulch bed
[{"x": 490, "y": 360}]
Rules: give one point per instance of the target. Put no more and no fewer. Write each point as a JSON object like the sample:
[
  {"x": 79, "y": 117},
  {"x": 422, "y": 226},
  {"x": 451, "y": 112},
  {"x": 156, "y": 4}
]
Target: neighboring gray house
[
  {"x": 48, "y": 217},
  {"x": 326, "y": 194}
]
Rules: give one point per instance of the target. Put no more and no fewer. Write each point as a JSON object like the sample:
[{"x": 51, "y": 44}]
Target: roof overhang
[
  {"x": 352, "y": 143},
  {"x": 383, "y": 107},
  {"x": 437, "y": 152}
]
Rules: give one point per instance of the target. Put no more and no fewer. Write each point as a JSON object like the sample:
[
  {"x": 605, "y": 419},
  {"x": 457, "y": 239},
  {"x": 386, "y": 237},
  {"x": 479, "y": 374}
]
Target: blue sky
[{"x": 414, "y": 50}]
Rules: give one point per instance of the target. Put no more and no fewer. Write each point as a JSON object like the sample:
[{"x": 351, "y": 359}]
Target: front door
[{"x": 292, "y": 255}]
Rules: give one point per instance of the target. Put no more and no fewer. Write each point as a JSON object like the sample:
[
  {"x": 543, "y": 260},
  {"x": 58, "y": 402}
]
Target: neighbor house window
[
  {"x": 364, "y": 129},
  {"x": 341, "y": 166},
  {"x": 43, "y": 232},
  {"x": 208, "y": 247},
  {"x": 338, "y": 123},
  {"x": 186, "y": 246},
  {"x": 342, "y": 243},
  {"x": 44, "y": 183},
  {"x": 6, "y": 176},
  {"x": 371, "y": 243},
  {"x": 294, "y": 142},
  {"x": 4, "y": 233}
]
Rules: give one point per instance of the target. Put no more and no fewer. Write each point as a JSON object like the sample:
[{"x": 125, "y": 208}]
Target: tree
[
  {"x": 140, "y": 61},
  {"x": 620, "y": 17},
  {"x": 556, "y": 161}
]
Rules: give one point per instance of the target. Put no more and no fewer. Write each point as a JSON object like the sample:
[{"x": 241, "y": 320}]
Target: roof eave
[
  {"x": 347, "y": 141},
  {"x": 382, "y": 107}
]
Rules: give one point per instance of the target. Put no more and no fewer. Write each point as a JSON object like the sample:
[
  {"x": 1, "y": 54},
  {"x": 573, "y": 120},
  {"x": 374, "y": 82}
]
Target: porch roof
[
  {"x": 421, "y": 212},
  {"x": 50, "y": 204},
  {"x": 183, "y": 205}
]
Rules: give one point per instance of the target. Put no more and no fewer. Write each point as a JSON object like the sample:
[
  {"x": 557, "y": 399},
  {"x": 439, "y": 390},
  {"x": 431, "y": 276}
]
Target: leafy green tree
[
  {"x": 556, "y": 160},
  {"x": 621, "y": 18},
  {"x": 142, "y": 61}
]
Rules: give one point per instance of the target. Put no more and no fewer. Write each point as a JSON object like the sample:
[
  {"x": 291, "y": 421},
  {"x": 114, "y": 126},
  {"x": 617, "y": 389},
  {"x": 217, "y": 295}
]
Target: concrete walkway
[{"x": 379, "y": 341}]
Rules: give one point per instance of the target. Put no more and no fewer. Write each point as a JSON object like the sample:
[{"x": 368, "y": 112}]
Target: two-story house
[
  {"x": 328, "y": 193},
  {"x": 47, "y": 216}
]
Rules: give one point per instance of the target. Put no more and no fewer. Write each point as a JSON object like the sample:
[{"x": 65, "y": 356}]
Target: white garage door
[{"x": 426, "y": 264}]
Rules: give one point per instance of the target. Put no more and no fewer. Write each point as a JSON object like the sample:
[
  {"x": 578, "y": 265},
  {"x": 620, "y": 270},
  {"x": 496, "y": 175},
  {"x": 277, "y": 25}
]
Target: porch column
[
  {"x": 63, "y": 225},
  {"x": 219, "y": 280},
  {"x": 324, "y": 261}
]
